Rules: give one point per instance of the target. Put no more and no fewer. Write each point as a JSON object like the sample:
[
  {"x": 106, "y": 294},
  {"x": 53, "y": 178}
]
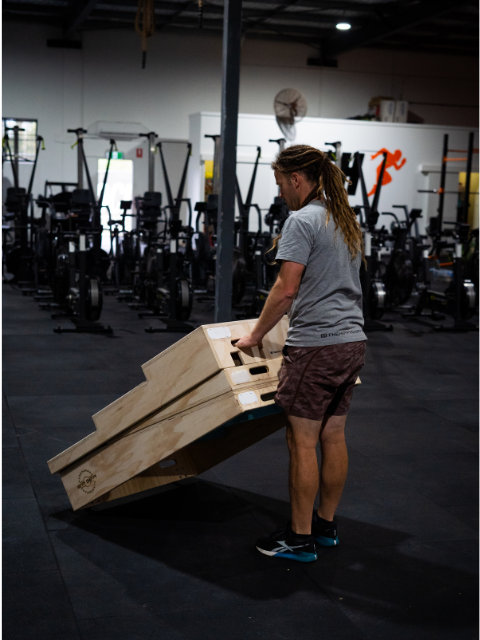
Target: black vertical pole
[
  {"x": 466, "y": 196},
  {"x": 232, "y": 32},
  {"x": 80, "y": 160},
  {"x": 151, "y": 160},
  {"x": 458, "y": 281},
  {"x": 441, "y": 191},
  {"x": 82, "y": 263},
  {"x": 376, "y": 197},
  {"x": 16, "y": 152}
]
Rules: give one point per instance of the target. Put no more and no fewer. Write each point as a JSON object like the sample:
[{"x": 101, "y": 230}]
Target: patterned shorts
[{"x": 319, "y": 381}]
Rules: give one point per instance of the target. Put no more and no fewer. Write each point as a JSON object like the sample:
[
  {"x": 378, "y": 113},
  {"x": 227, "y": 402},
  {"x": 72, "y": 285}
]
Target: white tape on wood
[
  {"x": 216, "y": 333},
  {"x": 248, "y": 397},
  {"x": 240, "y": 376}
]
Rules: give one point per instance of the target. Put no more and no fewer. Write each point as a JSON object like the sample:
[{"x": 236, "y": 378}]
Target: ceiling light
[{"x": 344, "y": 26}]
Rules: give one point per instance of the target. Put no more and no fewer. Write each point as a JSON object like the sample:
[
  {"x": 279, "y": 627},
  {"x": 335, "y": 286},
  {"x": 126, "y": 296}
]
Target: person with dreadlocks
[{"x": 320, "y": 250}]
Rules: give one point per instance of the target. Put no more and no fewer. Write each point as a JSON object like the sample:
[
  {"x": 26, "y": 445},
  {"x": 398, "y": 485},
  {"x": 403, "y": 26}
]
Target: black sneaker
[
  {"x": 287, "y": 544},
  {"x": 324, "y": 532}
]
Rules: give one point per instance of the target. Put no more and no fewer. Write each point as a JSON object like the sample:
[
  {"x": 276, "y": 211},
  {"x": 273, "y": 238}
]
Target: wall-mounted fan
[{"x": 290, "y": 107}]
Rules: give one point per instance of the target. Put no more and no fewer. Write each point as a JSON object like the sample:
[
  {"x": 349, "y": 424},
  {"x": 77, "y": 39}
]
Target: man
[{"x": 319, "y": 285}]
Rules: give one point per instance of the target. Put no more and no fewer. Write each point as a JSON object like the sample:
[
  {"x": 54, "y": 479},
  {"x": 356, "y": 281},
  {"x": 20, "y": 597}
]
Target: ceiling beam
[
  {"x": 39, "y": 18},
  {"x": 280, "y": 14},
  {"x": 430, "y": 48},
  {"x": 310, "y": 18},
  {"x": 32, "y": 8},
  {"x": 176, "y": 14},
  {"x": 80, "y": 12},
  {"x": 338, "y": 5},
  {"x": 394, "y": 21}
]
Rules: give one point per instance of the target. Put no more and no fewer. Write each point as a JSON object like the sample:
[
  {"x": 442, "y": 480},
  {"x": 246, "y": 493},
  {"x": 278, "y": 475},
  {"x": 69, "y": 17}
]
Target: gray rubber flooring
[{"x": 181, "y": 565}]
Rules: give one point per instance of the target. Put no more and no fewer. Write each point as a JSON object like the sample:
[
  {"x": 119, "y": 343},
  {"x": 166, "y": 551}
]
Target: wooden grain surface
[
  {"x": 172, "y": 373},
  {"x": 233, "y": 374},
  {"x": 197, "y": 457},
  {"x": 210, "y": 405}
]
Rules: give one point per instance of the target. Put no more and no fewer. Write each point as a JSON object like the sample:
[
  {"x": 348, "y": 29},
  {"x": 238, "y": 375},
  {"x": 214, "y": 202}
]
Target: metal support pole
[
  {"x": 232, "y": 32},
  {"x": 458, "y": 281},
  {"x": 151, "y": 160},
  {"x": 466, "y": 196},
  {"x": 441, "y": 191},
  {"x": 173, "y": 276},
  {"x": 367, "y": 276},
  {"x": 71, "y": 263},
  {"x": 80, "y": 161},
  {"x": 82, "y": 263},
  {"x": 16, "y": 151},
  {"x": 281, "y": 144}
]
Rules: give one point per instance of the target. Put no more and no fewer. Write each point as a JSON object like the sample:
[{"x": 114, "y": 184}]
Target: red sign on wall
[{"x": 139, "y": 153}]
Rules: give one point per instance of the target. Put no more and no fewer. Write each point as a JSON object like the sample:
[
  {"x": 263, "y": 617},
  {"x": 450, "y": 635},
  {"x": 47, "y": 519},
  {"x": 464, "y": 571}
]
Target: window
[
  {"x": 26, "y": 138},
  {"x": 119, "y": 187}
]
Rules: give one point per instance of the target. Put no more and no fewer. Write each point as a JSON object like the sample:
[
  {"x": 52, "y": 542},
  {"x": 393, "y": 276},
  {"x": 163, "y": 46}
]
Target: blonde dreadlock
[{"x": 329, "y": 182}]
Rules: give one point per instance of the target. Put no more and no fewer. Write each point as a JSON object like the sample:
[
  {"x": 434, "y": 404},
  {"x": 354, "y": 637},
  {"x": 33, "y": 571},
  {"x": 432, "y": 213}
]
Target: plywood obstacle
[{"x": 203, "y": 401}]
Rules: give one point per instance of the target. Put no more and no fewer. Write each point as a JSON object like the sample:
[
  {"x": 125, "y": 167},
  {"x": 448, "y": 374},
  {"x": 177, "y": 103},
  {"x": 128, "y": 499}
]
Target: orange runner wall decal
[{"x": 393, "y": 160}]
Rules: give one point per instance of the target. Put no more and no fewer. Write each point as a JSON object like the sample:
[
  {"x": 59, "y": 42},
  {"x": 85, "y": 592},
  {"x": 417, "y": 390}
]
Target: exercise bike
[{"x": 173, "y": 291}]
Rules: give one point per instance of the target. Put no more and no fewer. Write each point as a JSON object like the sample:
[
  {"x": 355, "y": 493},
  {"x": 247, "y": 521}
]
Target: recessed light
[{"x": 344, "y": 26}]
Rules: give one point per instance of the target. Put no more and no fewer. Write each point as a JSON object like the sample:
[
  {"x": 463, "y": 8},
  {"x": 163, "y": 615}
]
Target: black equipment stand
[
  {"x": 459, "y": 325},
  {"x": 366, "y": 272},
  {"x": 441, "y": 303},
  {"x": 82, "y": 325},
  {"x": 463, "y": 289},
  {"x": 18, "y": 201},
  {"x": 176, "y": 284},
  {"x": 244, "y": 208},
  {"x": 151, "y": 137}
]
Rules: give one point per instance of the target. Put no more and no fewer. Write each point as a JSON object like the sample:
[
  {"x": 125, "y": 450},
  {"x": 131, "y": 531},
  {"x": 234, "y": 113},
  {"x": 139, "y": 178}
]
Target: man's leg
[
  {"x": 302, "y": 438},
  {"x": 334, "y": 465}
]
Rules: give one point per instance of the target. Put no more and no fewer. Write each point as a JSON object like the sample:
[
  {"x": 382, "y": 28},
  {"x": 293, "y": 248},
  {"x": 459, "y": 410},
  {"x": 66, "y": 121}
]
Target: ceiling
[{"x": 435, "y": 26}]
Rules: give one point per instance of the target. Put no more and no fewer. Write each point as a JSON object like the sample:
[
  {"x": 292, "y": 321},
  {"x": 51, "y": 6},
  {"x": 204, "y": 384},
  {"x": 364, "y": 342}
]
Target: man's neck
[{"x": 301, "y": 199}]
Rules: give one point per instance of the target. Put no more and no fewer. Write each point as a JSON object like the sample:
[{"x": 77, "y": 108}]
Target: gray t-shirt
[{"x": 328, "y": 306}]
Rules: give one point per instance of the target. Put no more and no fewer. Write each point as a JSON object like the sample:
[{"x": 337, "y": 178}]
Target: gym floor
[{"x": 181, "y": 564}]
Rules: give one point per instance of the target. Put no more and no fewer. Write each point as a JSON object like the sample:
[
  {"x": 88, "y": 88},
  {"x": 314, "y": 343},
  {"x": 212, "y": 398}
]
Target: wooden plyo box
[{"x": 203, "y": 401}]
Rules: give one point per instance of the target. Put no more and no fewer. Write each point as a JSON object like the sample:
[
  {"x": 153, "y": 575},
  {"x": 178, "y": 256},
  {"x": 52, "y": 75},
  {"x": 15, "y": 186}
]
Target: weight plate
[
  {"x": 377, "y": 299},
  {"x": 184, "y": 299},
  {"x": 469, "y": 299},
  {"x": 93, "y": 299}
]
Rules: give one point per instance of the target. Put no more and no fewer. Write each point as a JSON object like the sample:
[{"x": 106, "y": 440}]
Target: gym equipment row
[
  {"x": 158, "y": 264},
  {"x": 18, "y": 243},
  {"x": 452, "y": 292},
  {"x": 253, "y": 273},
  {"x": 407, "y": 272},
  {"x": 157, "y": 255},
  {"x": 75, "y": 262}
]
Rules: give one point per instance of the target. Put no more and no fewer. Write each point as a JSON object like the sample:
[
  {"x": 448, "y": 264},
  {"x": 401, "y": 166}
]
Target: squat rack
[{"x": 462, "y": 215}]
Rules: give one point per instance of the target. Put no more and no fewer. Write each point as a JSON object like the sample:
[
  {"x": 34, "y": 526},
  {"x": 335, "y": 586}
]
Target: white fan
[{"x": 290, "y": 107}]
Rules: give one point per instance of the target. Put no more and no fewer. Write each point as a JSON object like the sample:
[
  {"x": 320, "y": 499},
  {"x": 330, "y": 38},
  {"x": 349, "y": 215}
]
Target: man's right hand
[{"x": 249, "y": 341}]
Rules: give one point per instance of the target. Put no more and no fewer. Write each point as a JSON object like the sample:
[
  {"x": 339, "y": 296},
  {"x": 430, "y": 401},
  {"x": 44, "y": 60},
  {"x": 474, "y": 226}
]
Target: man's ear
[{"x": 294, "y": 179}]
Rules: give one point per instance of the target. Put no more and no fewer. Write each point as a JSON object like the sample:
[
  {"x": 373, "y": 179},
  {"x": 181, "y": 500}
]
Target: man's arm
[{"x": 278, "y": 303}]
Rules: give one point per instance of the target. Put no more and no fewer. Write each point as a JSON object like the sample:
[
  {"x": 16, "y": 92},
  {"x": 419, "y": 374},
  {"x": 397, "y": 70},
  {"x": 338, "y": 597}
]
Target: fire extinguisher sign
[{"x": 139, "y": 153}]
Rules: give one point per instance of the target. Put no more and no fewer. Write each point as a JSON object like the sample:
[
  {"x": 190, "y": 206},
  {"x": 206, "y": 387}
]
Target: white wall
[
  {"x": 104, "y": 81},
  {"x": 420, "y": 148}
]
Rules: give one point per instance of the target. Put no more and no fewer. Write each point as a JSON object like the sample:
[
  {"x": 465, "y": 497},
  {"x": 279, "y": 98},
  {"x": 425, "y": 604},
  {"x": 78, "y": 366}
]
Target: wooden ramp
[{"x": 203, "y": 401}]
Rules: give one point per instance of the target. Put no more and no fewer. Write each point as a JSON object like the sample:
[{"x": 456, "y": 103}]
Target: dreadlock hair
[{"x": 328, "y": 181}]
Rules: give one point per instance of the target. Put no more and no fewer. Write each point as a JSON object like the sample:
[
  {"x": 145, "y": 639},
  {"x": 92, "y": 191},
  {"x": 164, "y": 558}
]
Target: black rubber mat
[{"x": 181, "y": 564}]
